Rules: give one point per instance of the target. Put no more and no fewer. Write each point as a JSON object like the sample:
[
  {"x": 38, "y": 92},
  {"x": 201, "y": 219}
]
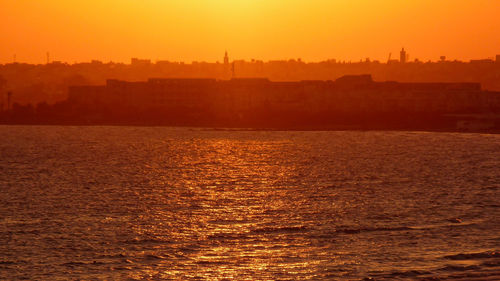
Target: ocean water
[{"x": 138, "y": 203}]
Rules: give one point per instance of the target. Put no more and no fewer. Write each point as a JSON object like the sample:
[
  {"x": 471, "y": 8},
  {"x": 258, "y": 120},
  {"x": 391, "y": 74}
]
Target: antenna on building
[
  {"x": 48, "y": 57},
  {"x": 389, "y": 59}
]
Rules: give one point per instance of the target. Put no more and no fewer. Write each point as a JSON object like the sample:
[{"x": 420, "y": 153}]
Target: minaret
[
  {"x": 226, "y": 66},
  {"x": 402, "y": 56},
  {"x": 226, "y": 59}
]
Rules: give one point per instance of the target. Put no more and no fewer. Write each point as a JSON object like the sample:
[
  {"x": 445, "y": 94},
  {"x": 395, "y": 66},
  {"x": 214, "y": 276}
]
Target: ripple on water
[{"x": 143, "y": 203}]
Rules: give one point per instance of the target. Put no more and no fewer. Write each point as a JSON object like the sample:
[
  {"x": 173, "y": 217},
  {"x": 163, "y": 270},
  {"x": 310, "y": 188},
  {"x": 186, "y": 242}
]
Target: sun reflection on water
[
  {"x": 227, "y": 196},
  {"x": 180, "y": 204}
]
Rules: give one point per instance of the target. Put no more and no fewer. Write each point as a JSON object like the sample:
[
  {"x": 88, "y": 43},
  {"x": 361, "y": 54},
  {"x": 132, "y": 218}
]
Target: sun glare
[{"x": 267, "y": 29}]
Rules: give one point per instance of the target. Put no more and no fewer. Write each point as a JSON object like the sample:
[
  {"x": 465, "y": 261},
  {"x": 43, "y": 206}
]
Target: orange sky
[{"x": 187, "y": 30}]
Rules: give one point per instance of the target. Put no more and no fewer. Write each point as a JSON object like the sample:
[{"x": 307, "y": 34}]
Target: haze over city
[
  {"x": 188, "y": 30},
  {"x": 250, "y": 140}
]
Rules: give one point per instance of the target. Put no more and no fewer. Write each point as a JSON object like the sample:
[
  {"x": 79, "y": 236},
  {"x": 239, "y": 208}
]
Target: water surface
[{"x": 193, "y": 204}]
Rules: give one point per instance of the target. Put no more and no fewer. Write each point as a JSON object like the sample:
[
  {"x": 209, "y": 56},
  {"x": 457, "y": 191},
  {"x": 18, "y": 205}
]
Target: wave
[
  {"x": 455, "y": 222},
  {"x": 460, "y": 268},
  {"x": 227, "y": 236},
  {"x": 146, "y": 241},
  {"x": 123, "y": 268},
  {"x": 113, "y": 256},
  {"x": 409, "y": 273},
  {"x": 77, "y": 263},
  {"x": 372, "y": 229},
  {"x": 286, "y": 229},
  {"x": 154, "y": 257},
  {"x": 214, "y": 262},
  {"x": 474, "y": 256}
]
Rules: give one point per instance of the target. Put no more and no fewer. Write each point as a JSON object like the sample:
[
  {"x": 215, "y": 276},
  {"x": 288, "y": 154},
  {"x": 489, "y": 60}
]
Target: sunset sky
[{"x": 187, "y": 30}]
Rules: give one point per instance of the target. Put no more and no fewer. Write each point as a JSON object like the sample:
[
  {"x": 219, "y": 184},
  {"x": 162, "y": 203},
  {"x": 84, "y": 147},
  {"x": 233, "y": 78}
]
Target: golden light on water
[
  {"x": 229, "y": 214},
  {"x": 171, "y": 203}
]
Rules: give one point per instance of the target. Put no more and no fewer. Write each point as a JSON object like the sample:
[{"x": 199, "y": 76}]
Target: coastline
[{"x": 493, "y": 131}]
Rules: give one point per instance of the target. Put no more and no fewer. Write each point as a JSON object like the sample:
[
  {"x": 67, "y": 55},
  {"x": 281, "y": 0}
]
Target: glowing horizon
[{"x": 189, "y": 30}]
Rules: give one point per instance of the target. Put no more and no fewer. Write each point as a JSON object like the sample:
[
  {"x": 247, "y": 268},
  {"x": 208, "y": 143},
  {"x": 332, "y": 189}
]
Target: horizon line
[{"x": 494, "y": 58}]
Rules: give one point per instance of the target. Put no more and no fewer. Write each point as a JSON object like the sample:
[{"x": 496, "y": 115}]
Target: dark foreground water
[{"x": 192, "y": 204}]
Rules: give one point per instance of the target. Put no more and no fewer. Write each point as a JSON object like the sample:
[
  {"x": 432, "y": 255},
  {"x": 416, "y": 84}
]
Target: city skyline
[
  {"x": 391, "y": 57},
  {"x": 250, "y": 140}
]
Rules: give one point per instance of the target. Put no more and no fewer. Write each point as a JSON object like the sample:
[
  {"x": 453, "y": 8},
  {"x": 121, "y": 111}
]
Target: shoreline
[{"x": 258, "y": 128}]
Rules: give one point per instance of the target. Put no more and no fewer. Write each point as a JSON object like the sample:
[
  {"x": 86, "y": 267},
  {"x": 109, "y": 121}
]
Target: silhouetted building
[
  {"x": 38, "y": 83},
  {"x": 139, "y": 62},
  {"x": 9, "y": 100},
  {"x": 226, "y": 74},
  {"x": 226, "y": 59},
  {"x": 483, "y": 61},
  {"x": 402, "y": 56},
  {"x": 352, "y": 94}
]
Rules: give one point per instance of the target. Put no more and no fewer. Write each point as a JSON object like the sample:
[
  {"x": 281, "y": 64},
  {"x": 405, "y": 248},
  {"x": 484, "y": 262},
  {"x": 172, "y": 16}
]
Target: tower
[
  {"x": 226, "y": 74},
  {"x": 226, "y": 59},
  {"x": 402, "y": 56}
]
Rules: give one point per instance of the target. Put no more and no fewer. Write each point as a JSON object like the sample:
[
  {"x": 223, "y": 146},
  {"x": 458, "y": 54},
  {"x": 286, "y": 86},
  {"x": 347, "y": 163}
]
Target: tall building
[
  {"x": 226, "y": 59},
  {"x": 226, "y": 66},
  {"x": 498, "y": 59},
  {"x": 402, "y": 56}
]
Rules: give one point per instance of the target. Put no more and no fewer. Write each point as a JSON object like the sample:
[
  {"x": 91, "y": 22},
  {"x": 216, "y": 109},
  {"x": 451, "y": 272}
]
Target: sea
[{"x": 160, "y": 203}]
